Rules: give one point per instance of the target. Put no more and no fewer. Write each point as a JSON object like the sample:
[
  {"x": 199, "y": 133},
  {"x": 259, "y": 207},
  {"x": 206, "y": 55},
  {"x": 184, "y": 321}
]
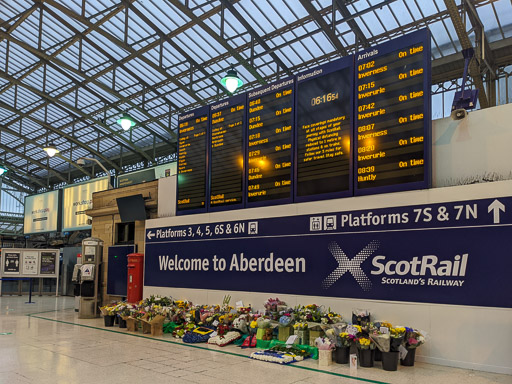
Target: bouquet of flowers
[
  {"x": 341, "y": 338},
  {"x": 380, "y": 336},
  {"x": 397, "y": 335},
  {"x": 108, "y": 310},
  {"x": 324, "y": 344},
  {"x": 274, "y": 305},
  {"x": 330, "y": 317},
  {"x": 285, "y": 320},
  {"x": 162, "y": 301},
  {"x": 413, "y": 338},
  {"x": 302, "y": 332},
  {"x": 311, "y": 313},
  {"x": 361, "y": 317},
  {"x": 364, "y": 343}
]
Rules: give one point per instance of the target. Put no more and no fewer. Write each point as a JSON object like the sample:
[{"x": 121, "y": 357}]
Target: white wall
[{"x": 474, "y": 149}]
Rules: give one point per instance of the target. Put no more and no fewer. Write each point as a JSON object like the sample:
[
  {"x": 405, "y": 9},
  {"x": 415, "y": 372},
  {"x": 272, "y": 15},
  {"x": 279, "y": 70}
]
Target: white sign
[
  {"x": 76, "y": 200},
  {"x": 30, "y": 262},
  {"x": 41, "y": 213}
]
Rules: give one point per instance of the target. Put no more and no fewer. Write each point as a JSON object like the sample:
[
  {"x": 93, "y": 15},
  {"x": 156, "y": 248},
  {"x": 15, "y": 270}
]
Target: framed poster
[
  {"x": 12, "y": 263},
  {"x": 30, "y": 262},
  {"x": 48, "y": 262}
]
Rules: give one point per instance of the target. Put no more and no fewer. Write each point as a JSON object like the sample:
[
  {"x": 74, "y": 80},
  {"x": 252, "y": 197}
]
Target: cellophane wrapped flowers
[{"x": 413, "y": 338}]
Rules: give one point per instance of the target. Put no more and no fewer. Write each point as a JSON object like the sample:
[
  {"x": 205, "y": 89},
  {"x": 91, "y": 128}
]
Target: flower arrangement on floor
[{"x": 222, "y": 324}]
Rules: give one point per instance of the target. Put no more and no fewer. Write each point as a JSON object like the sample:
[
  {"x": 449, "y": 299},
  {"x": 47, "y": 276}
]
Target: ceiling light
[
  {"x": 126, "y": 122},
  {"x": 231, "y": 81},
  {"x": 51, "y": 149},
  {"x": 3, "y": 169}
]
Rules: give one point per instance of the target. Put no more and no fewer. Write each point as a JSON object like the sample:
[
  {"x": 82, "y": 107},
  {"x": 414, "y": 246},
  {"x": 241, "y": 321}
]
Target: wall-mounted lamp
[
  {"x": 126, "y": 121},
  {"x": 51, "y": 149},
  {"x": 231, "y": 81},
  {"x": 81, "y": 161}
]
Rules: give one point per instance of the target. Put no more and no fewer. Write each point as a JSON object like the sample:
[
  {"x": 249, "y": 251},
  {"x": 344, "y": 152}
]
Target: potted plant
[
  {"x": 390, "y": 359},
  {"x": 413, "y": 339},
  {"x": 344, "y": 341},
  {"x": 108, "y": 312},
  {"x": 366, "y": 349}
]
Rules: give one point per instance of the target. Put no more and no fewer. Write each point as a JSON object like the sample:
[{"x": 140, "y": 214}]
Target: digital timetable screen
[
  {"x": 227, "y": 131},
  {"x": 392, "y": 115},
  {"x": 270, "y": 143},
  {"x": 324, "y": 131},
  {"x": 192, "y": 161}
]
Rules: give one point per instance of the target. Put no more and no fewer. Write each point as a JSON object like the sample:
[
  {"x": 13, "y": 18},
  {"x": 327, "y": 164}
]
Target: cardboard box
[
  {"x": 131, "y": 324},
  {"x": 155, "y": 326}
]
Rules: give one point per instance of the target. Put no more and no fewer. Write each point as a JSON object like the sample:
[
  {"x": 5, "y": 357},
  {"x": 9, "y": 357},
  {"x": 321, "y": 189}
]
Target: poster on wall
[
  {"x": 12, "y": 263},
  {"x": 41, "y": 213},
  {"x": 30, "y": 262},
  {"x": 76, "y": 200},
  {"x": 166, "y": 170},
  {"x": 48, "y": 262},
  {"x": 446, "y": 253}
]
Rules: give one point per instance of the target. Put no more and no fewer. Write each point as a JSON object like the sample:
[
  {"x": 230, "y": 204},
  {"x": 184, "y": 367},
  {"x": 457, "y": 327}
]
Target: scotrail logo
[{"x": 350, "y": 265}]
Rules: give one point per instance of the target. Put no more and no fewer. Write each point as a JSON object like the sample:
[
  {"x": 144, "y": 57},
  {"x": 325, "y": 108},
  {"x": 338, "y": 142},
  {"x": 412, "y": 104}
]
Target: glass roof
[{"x": 70, "y": 68}]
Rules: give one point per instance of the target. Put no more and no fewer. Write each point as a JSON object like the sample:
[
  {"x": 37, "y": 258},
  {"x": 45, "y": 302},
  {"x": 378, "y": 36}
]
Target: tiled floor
[{"x": 54, "y": 346}]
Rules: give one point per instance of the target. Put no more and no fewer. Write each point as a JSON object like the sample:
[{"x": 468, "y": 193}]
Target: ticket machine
[{"x": 89, "y": 278}]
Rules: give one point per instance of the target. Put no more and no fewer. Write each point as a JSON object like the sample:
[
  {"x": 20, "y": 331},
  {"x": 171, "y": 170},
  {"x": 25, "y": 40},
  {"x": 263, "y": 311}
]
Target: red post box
[{"x": 135, "y": 276}]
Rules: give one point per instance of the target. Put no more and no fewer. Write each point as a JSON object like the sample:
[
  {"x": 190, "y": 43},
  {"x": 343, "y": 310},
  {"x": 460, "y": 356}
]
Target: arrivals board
[
  {"x": 192, "y": 161},
  {"x": 324, "y": 131},
  {"x": 227, "y": 133},
  {"x": 270, "y": 143},
  {"x": 393, "y": 115}
]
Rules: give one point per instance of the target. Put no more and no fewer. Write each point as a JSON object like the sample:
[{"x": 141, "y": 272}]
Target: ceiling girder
[
  {"x": 99, "y": 83},
  {"x": 342, "y": 7},
  {"x": 30, "y": 160},
  {"x": 254, "y": 34},
  {"x": 6, "y": 180},
  {"x": 233, "y": 52},
  {"x": 182, "y": 52},
  {"x": 474, "y": 68},
  {"x": 53, "y": 129},
  {"x": 125, "y": 46},
  {"x": 329, "y": 32},
  {"x": 67, "y": 107}
]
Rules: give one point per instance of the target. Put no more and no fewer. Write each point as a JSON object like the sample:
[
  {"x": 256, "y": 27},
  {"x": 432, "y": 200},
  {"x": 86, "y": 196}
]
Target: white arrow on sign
[
  {"x": 150, "y": 235},
  {"x": 496, "y": 206}
]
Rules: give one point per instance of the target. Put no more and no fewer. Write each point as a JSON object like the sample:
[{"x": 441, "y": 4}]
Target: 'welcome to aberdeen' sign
[{"x": 450, "y": 253}]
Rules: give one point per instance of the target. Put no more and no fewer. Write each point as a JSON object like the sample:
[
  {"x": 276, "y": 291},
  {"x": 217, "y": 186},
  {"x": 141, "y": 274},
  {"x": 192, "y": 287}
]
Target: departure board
[
  {"x": 324, "y": 131},
  {"x": 192, "y": 161},
  {"x": 270, "y": 143},
  {"x": 392, "y": 115},
  {"x": 227, "y": 130}
]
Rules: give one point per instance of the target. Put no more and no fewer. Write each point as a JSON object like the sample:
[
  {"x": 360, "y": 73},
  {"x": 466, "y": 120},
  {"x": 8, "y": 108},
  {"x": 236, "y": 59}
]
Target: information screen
[
  {"x": 270, "y": 143},
  {"x": 192, "y": 161},
  {"x": 392, "y": 122},
  {"x": 227, "y": 127},
  {"x": 324, "y": 109}
]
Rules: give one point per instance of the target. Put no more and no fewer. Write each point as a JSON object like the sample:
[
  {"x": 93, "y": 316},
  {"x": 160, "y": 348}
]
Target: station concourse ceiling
[{"x": 70, "y": 68}]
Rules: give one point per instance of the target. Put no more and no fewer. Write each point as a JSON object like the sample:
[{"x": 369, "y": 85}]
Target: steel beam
[
  {"x": 254, "y": 34},
  {"x": 329, "y": 32},
  {"x": 465, "y": 42}
]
